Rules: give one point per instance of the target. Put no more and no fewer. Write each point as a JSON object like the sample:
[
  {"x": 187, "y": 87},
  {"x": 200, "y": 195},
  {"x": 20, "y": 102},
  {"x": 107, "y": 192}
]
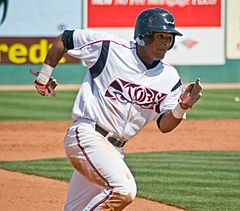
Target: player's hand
[
  {"x": 44, "y": 89},
  {"x": 191, "y": 94}
]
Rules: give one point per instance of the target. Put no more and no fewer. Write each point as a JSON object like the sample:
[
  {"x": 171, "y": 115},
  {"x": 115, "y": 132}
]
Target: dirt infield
[{"x": 37, "y": 140}]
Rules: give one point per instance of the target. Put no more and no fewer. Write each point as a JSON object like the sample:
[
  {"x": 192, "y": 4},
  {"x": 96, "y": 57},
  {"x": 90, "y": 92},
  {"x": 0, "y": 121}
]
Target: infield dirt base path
[{"x": 37, "y": 140}]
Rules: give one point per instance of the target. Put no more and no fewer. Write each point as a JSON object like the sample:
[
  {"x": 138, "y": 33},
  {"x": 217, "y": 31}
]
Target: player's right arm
[
  {"x": 44, "y": 83},
  {"x": 55, "y": 53},
  {"x": 80, "y": 44}
]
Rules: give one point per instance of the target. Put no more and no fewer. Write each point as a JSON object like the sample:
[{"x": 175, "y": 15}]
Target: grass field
[
  {"x": 190, "y": 180},
  {"x": 28, "y": 105}
]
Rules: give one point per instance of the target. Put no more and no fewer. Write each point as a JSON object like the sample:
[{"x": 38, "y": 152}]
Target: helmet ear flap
[
  {"x": 140, "y": 40},
  {"x": 172, "y": 44}
]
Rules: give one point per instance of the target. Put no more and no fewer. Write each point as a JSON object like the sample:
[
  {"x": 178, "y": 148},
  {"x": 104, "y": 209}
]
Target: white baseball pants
[{"x": 101, "y": 179}]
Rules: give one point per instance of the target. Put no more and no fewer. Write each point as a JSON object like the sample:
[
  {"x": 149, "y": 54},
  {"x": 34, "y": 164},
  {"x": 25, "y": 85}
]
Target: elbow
[
  {"x": 165, "y": 130},
  {"x": 167, "y": 123},
  {"x": 163, "y": 127}
]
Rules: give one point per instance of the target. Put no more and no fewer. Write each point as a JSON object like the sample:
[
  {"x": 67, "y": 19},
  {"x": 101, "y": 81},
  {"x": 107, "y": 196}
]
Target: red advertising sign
[{"x": 122, "y": 13}]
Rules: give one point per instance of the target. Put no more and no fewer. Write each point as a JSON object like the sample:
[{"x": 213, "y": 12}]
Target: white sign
[
  {"x": 198, "y": 46},
  {"x": 233, "y": 29}
]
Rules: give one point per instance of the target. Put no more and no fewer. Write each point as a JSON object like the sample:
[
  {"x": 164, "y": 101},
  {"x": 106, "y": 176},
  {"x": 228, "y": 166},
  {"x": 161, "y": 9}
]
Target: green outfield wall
[
  {"x": 74, "y": 73},
  {"x": 228, "y": 73}
]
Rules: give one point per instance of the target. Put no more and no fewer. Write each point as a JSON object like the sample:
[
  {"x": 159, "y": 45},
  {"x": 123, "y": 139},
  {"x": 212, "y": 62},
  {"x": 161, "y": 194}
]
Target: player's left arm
[
  {"x": 168, "y": 122},
  {"x": 172, "y": 119}
]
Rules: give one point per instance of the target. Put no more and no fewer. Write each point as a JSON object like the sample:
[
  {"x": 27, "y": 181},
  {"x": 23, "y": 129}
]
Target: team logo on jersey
[{"x": 128, "y": 92}]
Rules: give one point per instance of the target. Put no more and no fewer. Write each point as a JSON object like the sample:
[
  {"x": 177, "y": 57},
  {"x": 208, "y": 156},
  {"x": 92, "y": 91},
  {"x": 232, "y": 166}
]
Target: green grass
[
  {"x": 217, "y": 104},
  {"x": 196, "y": 181},
  {"x": 28, "y": 105}
]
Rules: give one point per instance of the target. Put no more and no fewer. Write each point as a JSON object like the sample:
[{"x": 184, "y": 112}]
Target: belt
[{"x": 114, "y": 141}]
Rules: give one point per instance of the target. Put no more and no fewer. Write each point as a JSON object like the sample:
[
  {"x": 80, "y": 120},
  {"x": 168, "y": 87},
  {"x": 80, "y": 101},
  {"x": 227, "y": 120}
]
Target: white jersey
[{"x": 119, "y": 93}]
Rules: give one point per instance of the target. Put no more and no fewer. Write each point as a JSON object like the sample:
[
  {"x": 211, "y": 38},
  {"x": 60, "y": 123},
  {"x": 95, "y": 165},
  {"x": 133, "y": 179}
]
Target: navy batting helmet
[{"x": 154, "y": 20}]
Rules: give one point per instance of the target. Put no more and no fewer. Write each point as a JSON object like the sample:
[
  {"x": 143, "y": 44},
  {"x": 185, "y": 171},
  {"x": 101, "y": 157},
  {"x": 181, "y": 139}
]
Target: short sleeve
[
  {"x": 172, "y": 98},
  {"x": 87, "y": 45},
  {"x": 67, "y": 39}
]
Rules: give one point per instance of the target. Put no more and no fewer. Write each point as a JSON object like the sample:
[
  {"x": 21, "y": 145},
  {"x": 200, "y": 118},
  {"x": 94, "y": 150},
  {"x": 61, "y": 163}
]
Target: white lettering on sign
[
  {"x": 137, "y": 2},
  {"x": 101, "y": 2},
  {"x": 120, "y": 2},
  {"x": 204, "y": 2},
  {"x": 169, "y": 3}
]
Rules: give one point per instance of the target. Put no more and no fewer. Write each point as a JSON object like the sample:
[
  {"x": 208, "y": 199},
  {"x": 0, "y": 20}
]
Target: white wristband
[
  {"x": 45, "y": 73},
  {"x": 178, "y": 112}
]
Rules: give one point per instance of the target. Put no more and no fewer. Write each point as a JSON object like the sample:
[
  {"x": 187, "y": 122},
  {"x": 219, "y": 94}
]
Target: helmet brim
[
  {"x": 177, "y": 33},
  {"x": 173, "y": 31}
]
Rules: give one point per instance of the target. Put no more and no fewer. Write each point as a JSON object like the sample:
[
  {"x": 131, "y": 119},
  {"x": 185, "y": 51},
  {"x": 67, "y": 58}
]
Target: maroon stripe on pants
[
  {"x": 95, "y": 169},
  {"x": 100, "y": 202}
]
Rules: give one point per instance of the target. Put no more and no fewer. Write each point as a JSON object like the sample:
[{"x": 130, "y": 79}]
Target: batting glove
[
  {"x": 191, "y": 95},
  {"x": 44, "y": 89}
]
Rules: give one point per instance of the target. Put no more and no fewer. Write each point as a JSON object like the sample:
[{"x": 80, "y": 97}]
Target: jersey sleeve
[
  {"x": 172, "y": 99},
  {"x": 86, "y": 45},
  {"x": 67, "y": 39},
  {"x": 169, "y": 103}
]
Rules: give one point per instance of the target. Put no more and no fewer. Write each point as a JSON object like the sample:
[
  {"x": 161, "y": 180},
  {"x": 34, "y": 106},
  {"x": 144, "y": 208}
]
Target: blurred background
[{"x": 209, "y": 49}]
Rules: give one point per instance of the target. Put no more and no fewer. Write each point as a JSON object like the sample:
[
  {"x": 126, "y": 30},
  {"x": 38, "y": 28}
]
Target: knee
[
  {"x": 132, "y": 191},
  {"x": 125, "y": 195},
  {"x": 128, "y": 198}
]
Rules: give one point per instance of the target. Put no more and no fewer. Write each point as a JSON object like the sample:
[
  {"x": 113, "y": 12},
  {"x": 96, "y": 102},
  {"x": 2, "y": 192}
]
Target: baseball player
[{"x": 128, "y": 85}]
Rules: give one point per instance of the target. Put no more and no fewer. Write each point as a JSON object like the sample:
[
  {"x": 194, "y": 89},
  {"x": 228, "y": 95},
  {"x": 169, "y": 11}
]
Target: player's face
[{"x": 161, "y": 42}]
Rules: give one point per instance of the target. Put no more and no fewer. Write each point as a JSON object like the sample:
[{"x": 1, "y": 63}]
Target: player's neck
[{"x": 145, "y": 58}]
